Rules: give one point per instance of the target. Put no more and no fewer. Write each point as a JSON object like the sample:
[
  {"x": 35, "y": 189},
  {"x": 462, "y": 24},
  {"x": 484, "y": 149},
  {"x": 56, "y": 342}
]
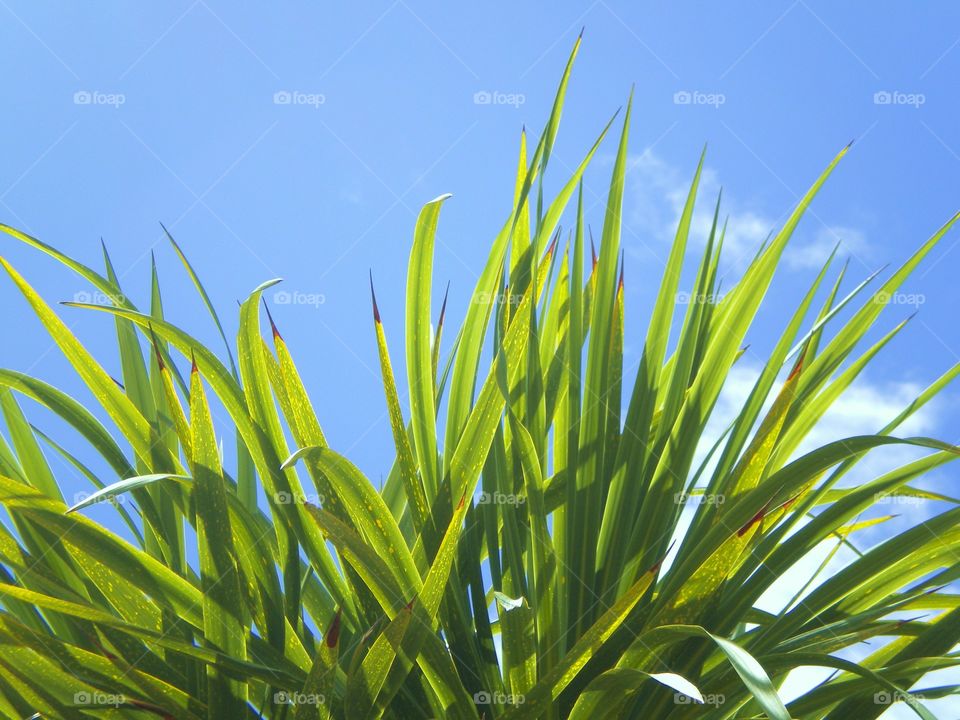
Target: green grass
[{"x": 512, "y": 565}]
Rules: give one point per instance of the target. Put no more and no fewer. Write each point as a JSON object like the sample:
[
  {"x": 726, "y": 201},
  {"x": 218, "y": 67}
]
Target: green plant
[{"x": 512, "y": 566}]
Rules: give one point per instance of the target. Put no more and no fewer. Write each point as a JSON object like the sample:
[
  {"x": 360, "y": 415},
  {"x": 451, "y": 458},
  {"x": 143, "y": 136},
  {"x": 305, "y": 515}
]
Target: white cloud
[
  {"x": 658, "y": 192},
  {"x": 864, "y": 408},
  {"x": 812, "y": 254}
]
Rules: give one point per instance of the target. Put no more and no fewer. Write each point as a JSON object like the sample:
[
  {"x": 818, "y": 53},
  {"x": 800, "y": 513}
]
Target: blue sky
[
  {"x": 300, "y": 140},
  {"x": 120, "y": 118}
]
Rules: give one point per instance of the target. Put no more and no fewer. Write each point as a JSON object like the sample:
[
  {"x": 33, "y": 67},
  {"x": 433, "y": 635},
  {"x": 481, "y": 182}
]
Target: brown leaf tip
[
  {"x": 798, "y": 365},
  {"x": 761, "y": 513},
  {"x": 156, "y": 348},
  {"x": 655, "y": 568},
  {"x": 789, "y": 503},
  {"x": 273, "y": 325},
  {"x": 373, "y": 297},
  {"x": 333, "y": 633},
  {"x": 553, "y": 243},
  {"x": 193, "y": 364}
]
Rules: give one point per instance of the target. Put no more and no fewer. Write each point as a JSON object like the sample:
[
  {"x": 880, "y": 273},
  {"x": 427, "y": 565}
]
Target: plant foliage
[{"x": 513, "y": 564}]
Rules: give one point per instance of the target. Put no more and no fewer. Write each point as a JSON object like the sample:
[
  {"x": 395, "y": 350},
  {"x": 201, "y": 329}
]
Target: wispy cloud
[
  {"x": 657, "y": 193},
  {"x": 811, "y": 254},
  {"x": 862, "y": 409}
]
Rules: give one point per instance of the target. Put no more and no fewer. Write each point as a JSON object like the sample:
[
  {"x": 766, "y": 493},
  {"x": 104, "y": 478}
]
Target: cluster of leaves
[{"x": 512, "y": 565}]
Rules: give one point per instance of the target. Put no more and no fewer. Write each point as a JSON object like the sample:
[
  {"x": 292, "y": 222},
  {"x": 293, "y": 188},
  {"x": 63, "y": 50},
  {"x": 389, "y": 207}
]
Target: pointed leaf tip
[
  {"x": 373, "y": 297},
  {"x": 789, "y": 503},
  {"x": 173, "y": 242},
  {"x": 655, "y": 568},
  {"x": 553, "y": 243},
  {"x": 156, "y": 347},
  {"x": 761, "y": 513},
  {"x": 798, "y": 365},
  {"x": 333, "y": 632},
  {"x": 273, "y": 326},
  {"x": 443, "y": 305}
]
